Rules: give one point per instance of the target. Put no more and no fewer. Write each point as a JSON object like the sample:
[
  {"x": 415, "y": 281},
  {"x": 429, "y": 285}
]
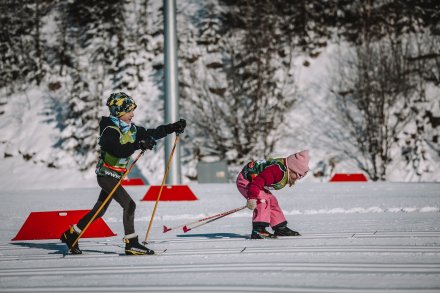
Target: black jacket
[{"x": 109, "y": 140}]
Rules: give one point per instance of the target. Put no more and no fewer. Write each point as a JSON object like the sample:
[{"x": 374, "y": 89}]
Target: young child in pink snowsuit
[{"x": 254, "y": 182}]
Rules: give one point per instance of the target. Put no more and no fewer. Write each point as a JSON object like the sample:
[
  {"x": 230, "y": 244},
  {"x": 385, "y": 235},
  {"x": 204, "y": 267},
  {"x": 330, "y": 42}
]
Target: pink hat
[{"x": 299, "y": 163}]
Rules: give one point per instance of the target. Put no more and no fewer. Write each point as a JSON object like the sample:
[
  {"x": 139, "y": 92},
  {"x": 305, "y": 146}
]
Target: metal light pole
[{"x": 171, "y": 87}]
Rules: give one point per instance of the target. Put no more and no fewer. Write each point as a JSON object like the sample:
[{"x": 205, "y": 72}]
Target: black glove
[
  {"x": 178, "y": 127},
  {"x": 147, "y": 143}
]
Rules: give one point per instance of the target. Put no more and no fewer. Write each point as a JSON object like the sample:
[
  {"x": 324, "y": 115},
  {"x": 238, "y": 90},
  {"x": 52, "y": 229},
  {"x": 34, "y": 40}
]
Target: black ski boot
[
  {"x": 260, "y": 232},
  {"x": 133, "y": 247},
  {"x": 283, "y": 230},
  {"x": 68, "y": 237}
]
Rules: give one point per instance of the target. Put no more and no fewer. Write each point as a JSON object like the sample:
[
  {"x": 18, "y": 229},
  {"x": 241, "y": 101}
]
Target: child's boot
[
  {"x": 260, "y": 232},
  {"x": 283, "y": 230},
  {"x": 69, "y": 237},
  {"x": 133, "y": 247}
]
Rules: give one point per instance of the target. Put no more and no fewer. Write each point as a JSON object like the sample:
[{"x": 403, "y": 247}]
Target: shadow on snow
[
  {"x": 56, "y": 248},
  {"x": 214, "y": 235}
]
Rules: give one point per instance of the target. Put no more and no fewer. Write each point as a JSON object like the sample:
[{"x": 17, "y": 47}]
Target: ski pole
[
  {"x": 166, "y": 229},
  {"x": 186, "y": 229},
  {"x": 106, "y": 200},
  {"x": 161, "y": 187}
]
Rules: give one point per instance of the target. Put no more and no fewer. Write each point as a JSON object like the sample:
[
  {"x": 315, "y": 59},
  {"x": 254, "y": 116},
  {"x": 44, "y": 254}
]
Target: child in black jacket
[{"x": 119, "y": 139}]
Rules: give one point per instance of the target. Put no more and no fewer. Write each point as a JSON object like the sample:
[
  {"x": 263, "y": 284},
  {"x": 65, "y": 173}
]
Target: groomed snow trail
[{"x": 337, "y": 252}]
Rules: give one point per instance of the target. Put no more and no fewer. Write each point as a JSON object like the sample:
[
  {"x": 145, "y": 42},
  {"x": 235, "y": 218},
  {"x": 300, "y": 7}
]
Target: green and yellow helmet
[{"x": 120, "y": 104}]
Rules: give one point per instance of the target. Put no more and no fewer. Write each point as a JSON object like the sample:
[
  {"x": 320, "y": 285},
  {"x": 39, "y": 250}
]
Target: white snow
[{"x": 357, "y": 237}]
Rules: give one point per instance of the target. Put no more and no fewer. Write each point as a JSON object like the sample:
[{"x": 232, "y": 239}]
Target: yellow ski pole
[
  {"x": 161, "y": 187},
  {"x": 109, "y": 196}
]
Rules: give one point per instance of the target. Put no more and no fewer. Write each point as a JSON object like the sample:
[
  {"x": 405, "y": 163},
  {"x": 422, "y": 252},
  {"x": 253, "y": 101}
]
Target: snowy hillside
[
  {"x": 30, "y": 134},
  {"x": 374, "y": 237},
  {"x": 61, "y": 65}
]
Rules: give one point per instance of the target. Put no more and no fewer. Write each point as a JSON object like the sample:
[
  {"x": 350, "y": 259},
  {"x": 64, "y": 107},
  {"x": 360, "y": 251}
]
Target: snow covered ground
[{"x": 357, "y": 237}]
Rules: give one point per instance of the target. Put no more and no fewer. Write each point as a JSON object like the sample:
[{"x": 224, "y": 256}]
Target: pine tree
[
  {"x": 21, "y": 43},
  {"x": 95, "y": 48},
  {"x": 239, "y": 86},
  {"x": 380, "y": 94}
]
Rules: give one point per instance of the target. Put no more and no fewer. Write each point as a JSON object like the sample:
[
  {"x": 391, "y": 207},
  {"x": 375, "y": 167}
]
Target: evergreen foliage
[{"x": 237, "y": 77}]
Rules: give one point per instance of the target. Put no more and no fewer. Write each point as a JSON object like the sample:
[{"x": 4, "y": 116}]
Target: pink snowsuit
[
  {"x": 268, "y": 211},
  {"x": 257, "y": 176}
]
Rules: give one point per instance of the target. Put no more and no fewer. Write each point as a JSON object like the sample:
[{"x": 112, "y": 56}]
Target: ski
[{"x": 89, "y": 254}]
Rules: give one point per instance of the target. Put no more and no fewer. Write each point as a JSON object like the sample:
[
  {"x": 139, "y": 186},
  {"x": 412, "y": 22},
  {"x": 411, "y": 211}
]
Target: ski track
[
  {"x": 189, "y": 239},
  {"x": 214, "y": 288},
  {"x": 101, "y": 252},
  {"x": 106, "y": 249},
  {"x": 233, "y": 262},
  {"x": 406, "y": 268},
  {"x": 375, "y": 235},
  {"x": 376, "y": 238}
]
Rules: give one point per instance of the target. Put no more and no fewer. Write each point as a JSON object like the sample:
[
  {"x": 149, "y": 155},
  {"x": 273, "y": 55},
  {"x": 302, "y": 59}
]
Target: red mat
[
  {"x": 170, "y": 193},
  {"x": 50, "y": 225},
  {"x": 346, "y": 177},
  {"x": 132, "y": 181}
]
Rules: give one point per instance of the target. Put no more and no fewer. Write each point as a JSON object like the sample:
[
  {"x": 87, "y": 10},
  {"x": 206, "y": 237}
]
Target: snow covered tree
[
  {"x": 21, "y": 42},
  {"x": 381, "y": 84},
  {"x": 236, "y": 72},
  {"x": 240, "y": 84},
  {"x": 93, "y": 39},
  {"x": 373, "y": 104},
  {"x": 419, "y": 141}
]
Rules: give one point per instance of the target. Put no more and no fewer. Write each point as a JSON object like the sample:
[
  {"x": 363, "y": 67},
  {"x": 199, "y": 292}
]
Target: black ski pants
[{"x": 120, "y": 195}]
